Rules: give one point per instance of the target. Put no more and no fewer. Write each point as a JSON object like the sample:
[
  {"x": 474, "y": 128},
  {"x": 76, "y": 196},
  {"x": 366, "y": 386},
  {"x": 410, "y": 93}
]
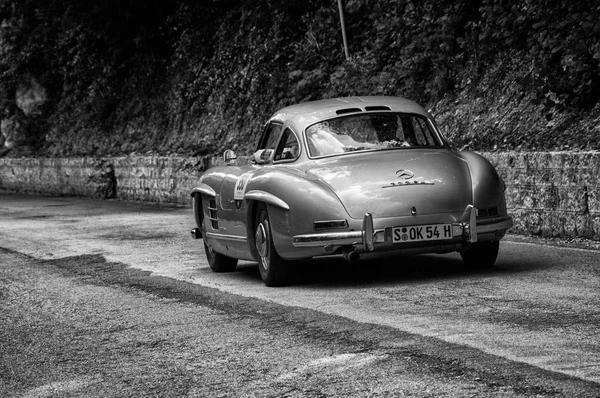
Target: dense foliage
[{"x": 114, "y": 77}]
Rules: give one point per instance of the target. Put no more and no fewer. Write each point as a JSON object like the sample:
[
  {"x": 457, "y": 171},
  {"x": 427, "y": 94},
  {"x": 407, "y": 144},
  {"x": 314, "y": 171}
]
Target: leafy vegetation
[{"x": 112, "y": 77}]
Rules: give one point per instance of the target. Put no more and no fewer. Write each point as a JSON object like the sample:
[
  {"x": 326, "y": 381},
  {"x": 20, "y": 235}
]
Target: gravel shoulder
[{"x": 82, "y": 326}]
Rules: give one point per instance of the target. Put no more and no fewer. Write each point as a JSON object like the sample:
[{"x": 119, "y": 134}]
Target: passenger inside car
[{"x": 386, "y": 127}]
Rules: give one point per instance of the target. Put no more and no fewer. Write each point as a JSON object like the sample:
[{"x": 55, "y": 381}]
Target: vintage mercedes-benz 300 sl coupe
[{"x": 349, "y": 176}]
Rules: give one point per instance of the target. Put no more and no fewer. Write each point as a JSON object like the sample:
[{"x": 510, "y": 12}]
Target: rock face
[
  {"x": 552, "y": 194},
  {"x": 28, "y": 105},
  {"x": 31, "y": 97},
  {"x": 12, "y": 128}
]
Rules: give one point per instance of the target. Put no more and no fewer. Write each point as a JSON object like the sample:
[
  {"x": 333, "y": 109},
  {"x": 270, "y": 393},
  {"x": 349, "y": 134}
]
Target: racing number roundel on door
[{"x": 240, "y": 186}]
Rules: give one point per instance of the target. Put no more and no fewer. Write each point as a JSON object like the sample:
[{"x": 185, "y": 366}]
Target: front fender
[
  {"x": 204, "y": 189},
  {"x": 207, "y": 186},
  {"x": 197, "y": 192}
]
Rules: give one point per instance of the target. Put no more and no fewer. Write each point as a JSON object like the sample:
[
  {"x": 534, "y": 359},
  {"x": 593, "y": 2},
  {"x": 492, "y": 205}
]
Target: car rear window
[{"x": 368, "y": 132}]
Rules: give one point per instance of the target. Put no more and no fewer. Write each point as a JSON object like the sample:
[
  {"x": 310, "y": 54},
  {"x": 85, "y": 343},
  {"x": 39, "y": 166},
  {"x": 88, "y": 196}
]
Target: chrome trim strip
[
  {"x": 234, "y": 238},
  {"x": 328, "y": 239},
  {"x": 266, "y": 197},
  {"x": 205, "y": 190}
]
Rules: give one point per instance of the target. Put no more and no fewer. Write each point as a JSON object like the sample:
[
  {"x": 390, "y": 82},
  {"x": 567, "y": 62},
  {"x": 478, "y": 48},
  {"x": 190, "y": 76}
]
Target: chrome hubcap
[{"x": 261, "y": 240}]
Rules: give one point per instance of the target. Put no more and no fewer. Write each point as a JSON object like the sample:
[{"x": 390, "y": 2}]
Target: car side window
[
  {"x": 288, "y": 148},
  {"x": 270, "y": 136}
]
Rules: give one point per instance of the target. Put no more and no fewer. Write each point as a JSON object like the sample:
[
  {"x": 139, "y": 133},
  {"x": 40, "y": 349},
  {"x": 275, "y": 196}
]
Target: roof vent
[
  {"x": 377, "y": 108},
  {"x": 348, "y": 110}
]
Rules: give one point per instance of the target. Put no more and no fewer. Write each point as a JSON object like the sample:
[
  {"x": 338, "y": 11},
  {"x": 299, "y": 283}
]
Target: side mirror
[
  {"x": 229, "y": 157},
  {"x": 263, "y": 156}
]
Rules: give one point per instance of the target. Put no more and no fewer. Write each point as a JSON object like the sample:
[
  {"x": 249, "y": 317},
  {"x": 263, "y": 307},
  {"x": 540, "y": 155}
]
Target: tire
[
  {"x": 481, "y": 254},
  {"x": 274, "y": 270},
  {"x": 219, "y": 262}
]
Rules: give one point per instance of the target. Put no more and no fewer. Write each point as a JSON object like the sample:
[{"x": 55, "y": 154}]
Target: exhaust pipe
[{"x": 350, "y": 255}]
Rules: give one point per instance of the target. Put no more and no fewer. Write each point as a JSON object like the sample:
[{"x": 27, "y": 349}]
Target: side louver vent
[{"x": 212, "y": 214}]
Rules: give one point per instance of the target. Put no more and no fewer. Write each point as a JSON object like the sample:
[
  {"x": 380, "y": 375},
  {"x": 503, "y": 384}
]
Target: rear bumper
[
  {"x": 495, "y": 225},
  {"x": 368, "y": 239}
]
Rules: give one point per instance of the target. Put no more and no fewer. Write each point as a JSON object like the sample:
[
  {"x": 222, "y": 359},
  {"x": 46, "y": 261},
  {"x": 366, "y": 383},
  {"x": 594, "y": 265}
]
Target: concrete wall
[{"x": 548, "y": 194}]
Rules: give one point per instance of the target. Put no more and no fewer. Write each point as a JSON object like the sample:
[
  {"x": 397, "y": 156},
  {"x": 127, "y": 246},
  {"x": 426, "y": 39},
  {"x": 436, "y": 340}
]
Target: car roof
[{"x": 307, "y": 113}]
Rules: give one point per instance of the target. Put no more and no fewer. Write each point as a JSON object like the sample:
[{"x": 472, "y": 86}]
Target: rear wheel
[
  {"x": 219, "y": 262},
  {"x": 274, "y": 270},
  {"x": 481, "y": 254}
]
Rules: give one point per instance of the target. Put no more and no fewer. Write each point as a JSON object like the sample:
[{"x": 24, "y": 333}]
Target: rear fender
[
  {"x": 293, "y": 203},
  {"x": 488, "y": 187},
  {"x": 275, "y": 208}
]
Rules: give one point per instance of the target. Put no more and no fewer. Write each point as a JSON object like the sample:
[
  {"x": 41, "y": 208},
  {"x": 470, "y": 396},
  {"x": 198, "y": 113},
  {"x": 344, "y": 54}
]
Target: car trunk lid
[{"x": 393, "y": 182}]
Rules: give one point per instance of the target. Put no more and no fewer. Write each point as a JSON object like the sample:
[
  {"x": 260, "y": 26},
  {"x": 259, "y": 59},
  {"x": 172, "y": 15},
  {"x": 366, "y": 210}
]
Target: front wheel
[
  {"x": 274, "y": 270},
  {"x": 219, "y": 262},
  {"x": 481, "y": 254}
]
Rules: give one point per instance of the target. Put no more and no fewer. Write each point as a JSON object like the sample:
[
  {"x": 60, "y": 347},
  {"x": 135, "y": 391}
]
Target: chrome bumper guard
[{"x": 467, "y": 228}]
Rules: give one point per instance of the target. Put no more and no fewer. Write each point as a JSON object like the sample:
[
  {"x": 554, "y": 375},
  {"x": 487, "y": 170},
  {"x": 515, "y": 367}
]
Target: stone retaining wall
[
  {"x": 548, "y": 194},
  {"x": 552, "y": 193},
  {"x": 152, "y": 179}
]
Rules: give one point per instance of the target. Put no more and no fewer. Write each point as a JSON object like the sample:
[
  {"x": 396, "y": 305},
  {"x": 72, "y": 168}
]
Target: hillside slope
[{"x": 194, "y": 78}]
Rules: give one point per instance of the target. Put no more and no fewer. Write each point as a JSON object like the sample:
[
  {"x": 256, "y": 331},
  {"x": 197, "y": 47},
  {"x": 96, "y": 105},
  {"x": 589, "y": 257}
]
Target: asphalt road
[{"x": 531, "y": 322}]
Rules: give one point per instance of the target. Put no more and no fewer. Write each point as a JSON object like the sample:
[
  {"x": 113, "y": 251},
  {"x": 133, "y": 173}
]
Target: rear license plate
[{"x": 420, "y": 233}]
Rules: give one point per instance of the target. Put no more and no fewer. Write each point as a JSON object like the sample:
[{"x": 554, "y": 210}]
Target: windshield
[{"x": 370, "y": 132}]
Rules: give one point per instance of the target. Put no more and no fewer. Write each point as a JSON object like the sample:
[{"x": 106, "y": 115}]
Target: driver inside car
[{"x": 387, "y": 132}]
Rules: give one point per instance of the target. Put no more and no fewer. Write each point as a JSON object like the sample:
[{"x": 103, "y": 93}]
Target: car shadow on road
[
  {"x": 379, "y": 270},
  {"x": 385, "y": 269}
]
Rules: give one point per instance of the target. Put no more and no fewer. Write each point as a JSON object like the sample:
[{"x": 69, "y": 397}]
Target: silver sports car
[{"x": 349, "y": 176}]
